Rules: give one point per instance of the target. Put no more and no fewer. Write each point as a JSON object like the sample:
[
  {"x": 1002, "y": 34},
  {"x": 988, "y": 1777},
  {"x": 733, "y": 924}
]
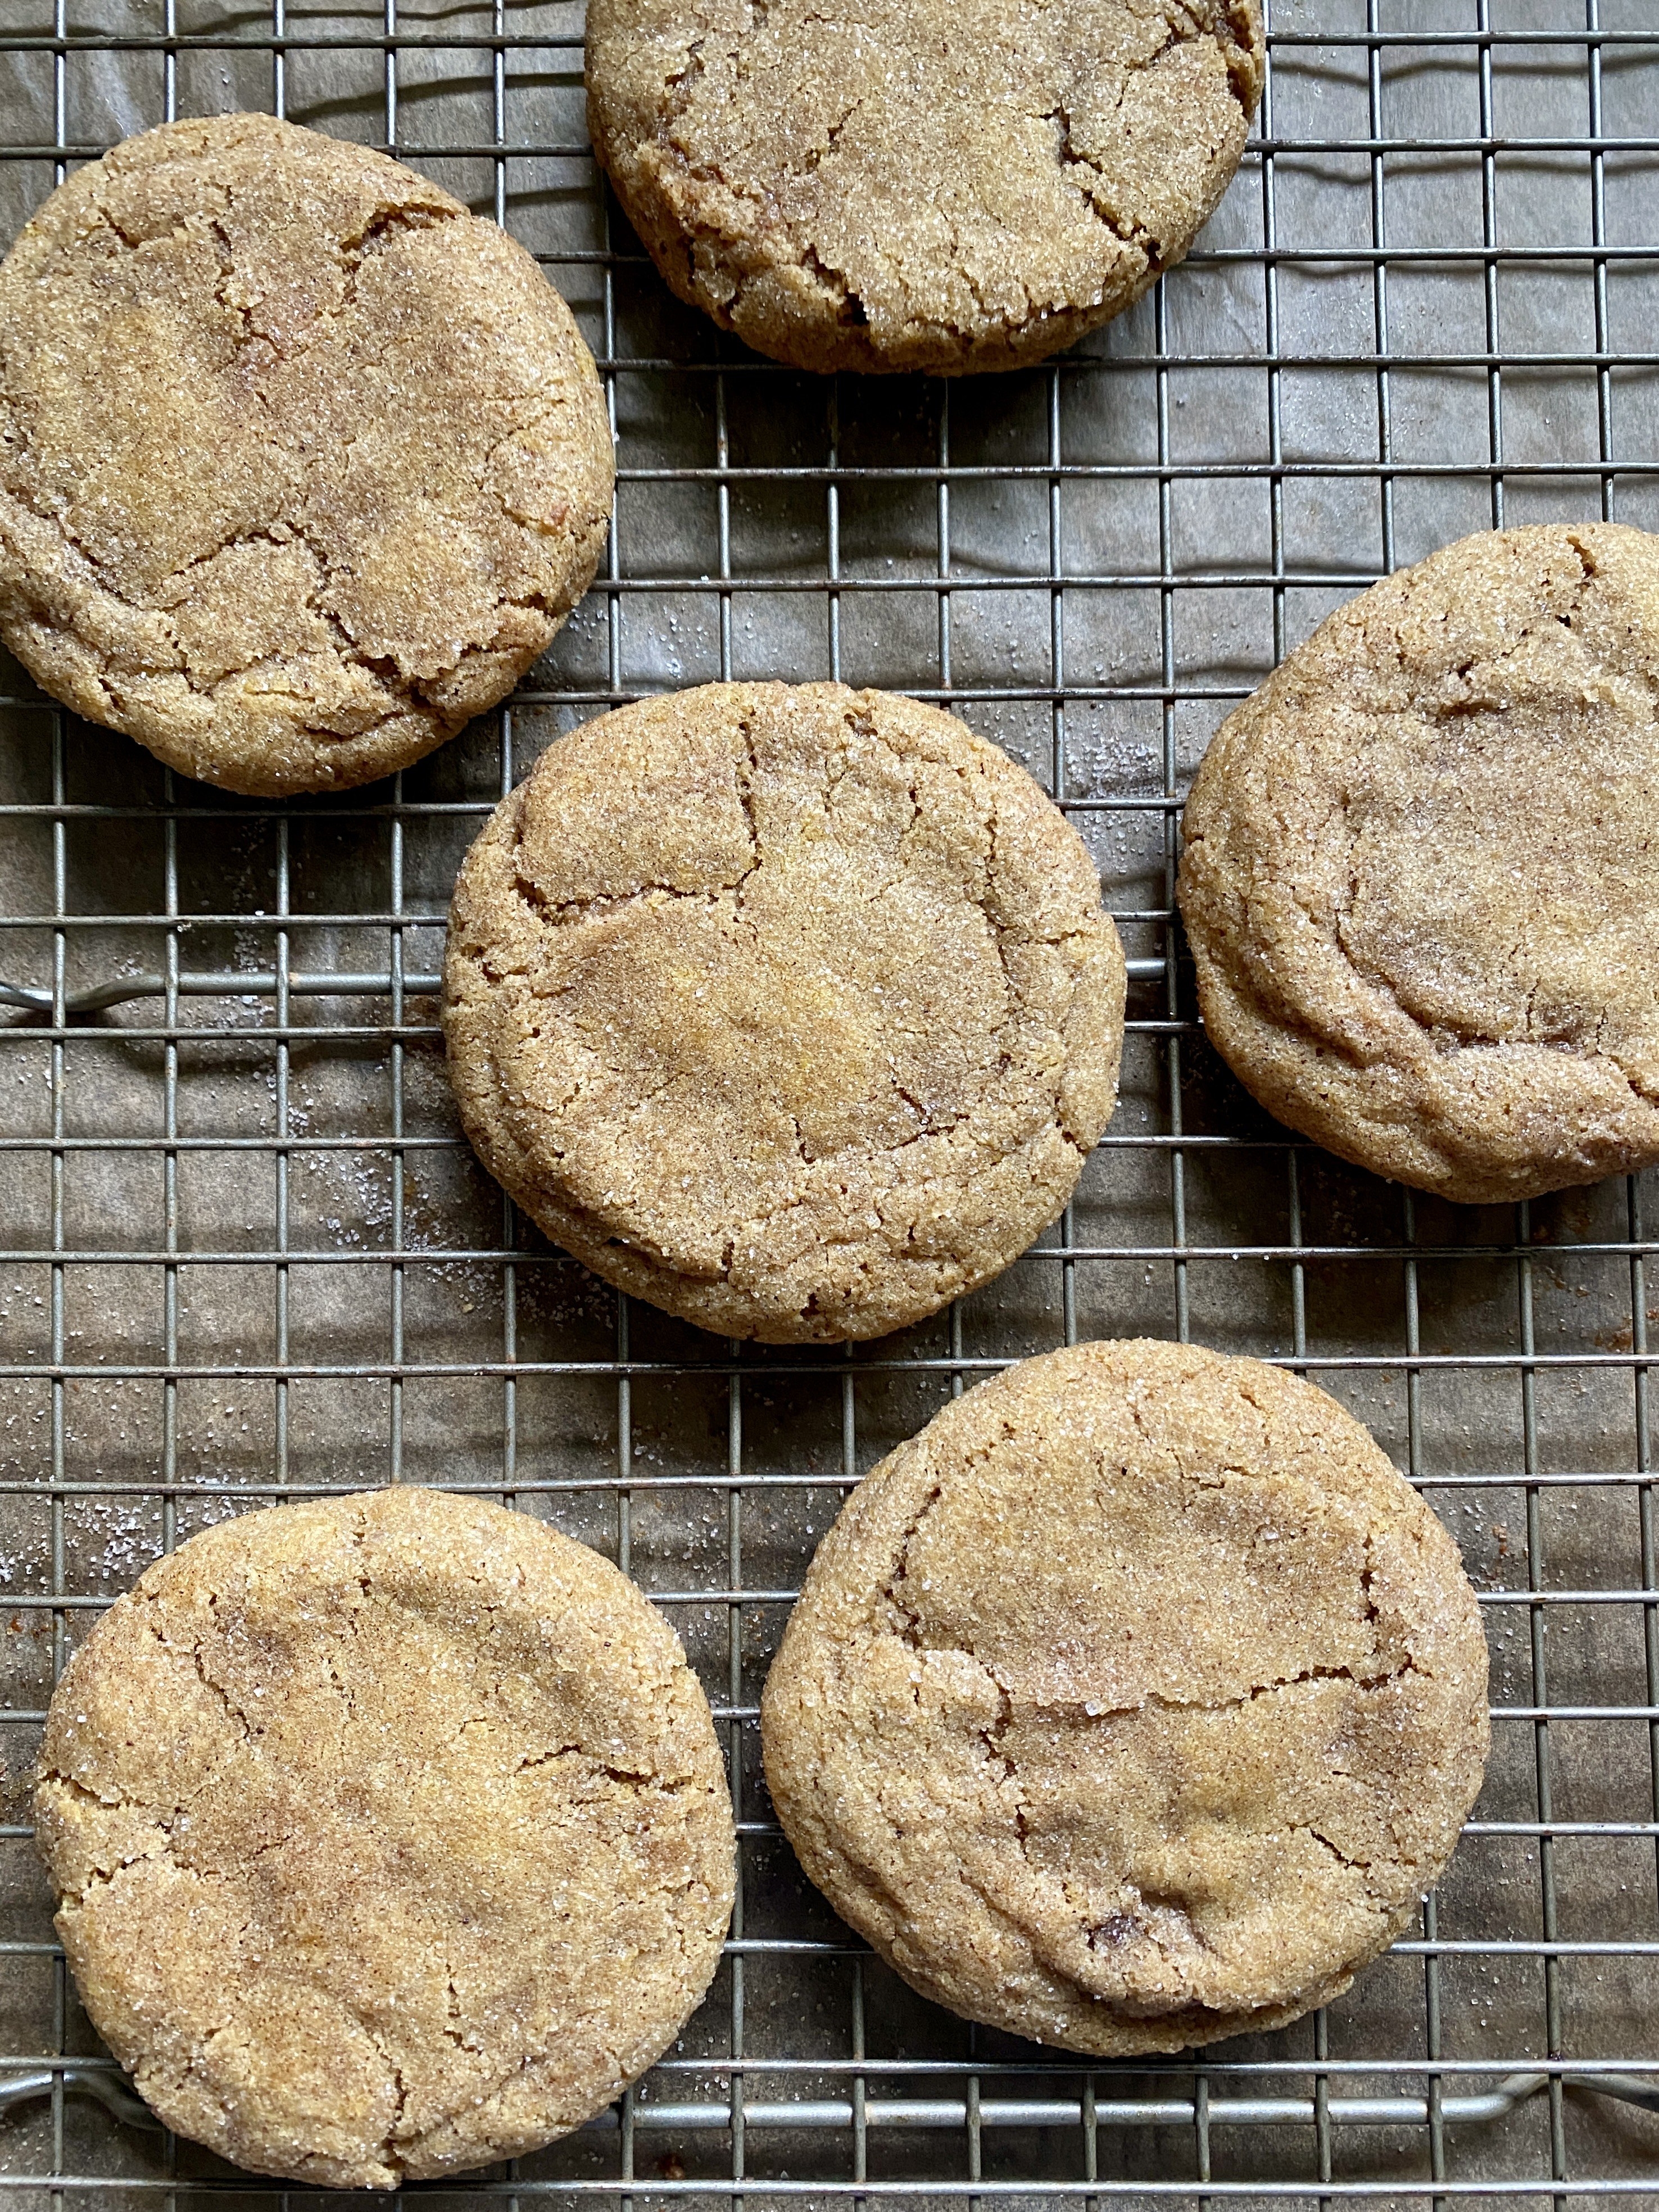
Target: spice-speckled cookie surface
[
  {"x": 390, "y": 1836},
  {"x": 792, "y": 1010},
  {"x": 944, "y": 185},
  {"x": 301, "y": 465},
  {"x": 1132, "y": 1704},
  {"x": 1421, "y": 869}
]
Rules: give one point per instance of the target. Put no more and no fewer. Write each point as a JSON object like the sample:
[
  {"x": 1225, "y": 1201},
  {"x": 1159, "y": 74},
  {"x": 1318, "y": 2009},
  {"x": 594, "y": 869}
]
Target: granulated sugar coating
[
  {"x": 391, "y": 1834},
  {"x": 1422, "y": 866},
  {"x": 1132, "y": 1704},
  {"x": 941, "y": 184},
  {"x": 301, "y": 464},
  {"x": 794, "y": 1011}
]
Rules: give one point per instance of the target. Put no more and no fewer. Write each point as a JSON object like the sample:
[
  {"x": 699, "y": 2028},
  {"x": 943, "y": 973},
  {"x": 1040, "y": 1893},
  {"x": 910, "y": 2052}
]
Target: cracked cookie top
[
  {"x": 301, "y": 465},
  {"x": 391, "y": 1834},
  {"x": 1132, "y": 1704},
  {"x": 793, "y": 1010},
  {"x": 1422, "y": 870},
  {"x": 944, "y": 185}
]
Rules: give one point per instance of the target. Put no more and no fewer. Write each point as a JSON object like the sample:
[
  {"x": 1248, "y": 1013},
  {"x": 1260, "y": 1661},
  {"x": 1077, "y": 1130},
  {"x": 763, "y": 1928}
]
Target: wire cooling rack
[{"x": 247, "y": 1254}]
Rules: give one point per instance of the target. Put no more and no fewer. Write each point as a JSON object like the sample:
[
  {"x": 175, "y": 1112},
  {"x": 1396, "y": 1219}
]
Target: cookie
[
  {"x": 1132, "y": 1704},
  {"x": 944, "y": 185},
  {"x": 301, "y": 465},
  {"x": 1421, "y": 873},
  {"x": 792, "y": 1010},
  {"x": 390, "y": 1835}
]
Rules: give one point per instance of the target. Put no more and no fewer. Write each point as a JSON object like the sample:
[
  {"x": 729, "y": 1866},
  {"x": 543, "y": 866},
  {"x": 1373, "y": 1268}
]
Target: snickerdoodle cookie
[
  {"x": 793, "y": 1010},
  {"x": 1132, "y": 1703},
  {"x": 1421, "y": 878},
  {"x": 390, "y": 1835},
  {"x": 944, "y": 185},
  {"x": 301, "y": 464}
]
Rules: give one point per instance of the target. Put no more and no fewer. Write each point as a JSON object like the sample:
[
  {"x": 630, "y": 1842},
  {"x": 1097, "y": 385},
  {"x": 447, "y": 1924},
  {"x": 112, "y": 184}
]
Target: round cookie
[
  {"x": 1421, "y": 872},
  {"x": 793, "y": 1010},
  {"x": 1132, "y": 1704},
  {"x": 944, "y": 185},
  {"x": 391, "y": 1834},
  {"x": 301, "y": 465}
]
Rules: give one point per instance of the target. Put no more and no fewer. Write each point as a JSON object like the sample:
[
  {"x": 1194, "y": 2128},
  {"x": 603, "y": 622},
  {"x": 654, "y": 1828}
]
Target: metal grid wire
[{"x": 248, "y": 1256}]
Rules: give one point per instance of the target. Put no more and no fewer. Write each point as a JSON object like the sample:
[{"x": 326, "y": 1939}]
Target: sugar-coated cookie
[
  {"x": 791, "y": 1009},
  {"x": 390, "y": 1834},
  {"x": 946, "y": 185},
  {"x": 301, "y": 465},
  {"x": 1132, "y": 1704},
  {"x": 1421, "y": 874}
]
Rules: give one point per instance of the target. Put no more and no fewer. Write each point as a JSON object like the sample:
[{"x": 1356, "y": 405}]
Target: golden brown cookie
[
  {"x": 301, "y": 464},
  {"x": 793, "y": 1010},
  {"x": 1421, "y": 876},
  {"x": 1132, "y": 1704},
  {"x": 390, "y": 1835},
  {"x": 943, "y": 185}
]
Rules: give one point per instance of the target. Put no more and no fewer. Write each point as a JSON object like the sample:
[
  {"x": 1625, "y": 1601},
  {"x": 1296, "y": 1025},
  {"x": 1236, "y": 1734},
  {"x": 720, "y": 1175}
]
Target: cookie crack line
[
  {"x": 1186, "y": 32},
  {"x": 389, "y": 218},
  {"x": 803, "y": 253},
  {"x": 1153, "y": 1700},
  {"x": 560, "y": 912},
  {"x": 98, "y": 1799},
  {"x": 748, "y": 772},
  {"x": 1342, "y": 1858},
  {"x": 396, "y": 2132},
  {"x": 399, "y": 692},
  {"x": 910, "y": 1632},
  {"x": 994, "y": 1738},
  {"x": 97, "y": 1877},
  {"x": 1183, "y": 29}
]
